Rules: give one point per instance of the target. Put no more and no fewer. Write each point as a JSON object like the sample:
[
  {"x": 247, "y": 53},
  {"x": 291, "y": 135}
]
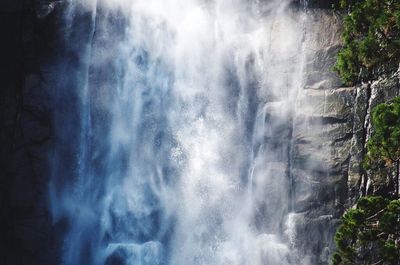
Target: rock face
[
  {"x": 321, "y": 142},
  {"x": 330, "y": 129},
  {"x": 328, "y": 175}
]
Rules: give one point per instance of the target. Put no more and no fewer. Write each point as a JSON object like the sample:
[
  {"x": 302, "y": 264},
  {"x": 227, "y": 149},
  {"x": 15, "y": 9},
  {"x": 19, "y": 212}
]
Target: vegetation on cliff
[
  {"x": 370, "y": 233},
  {"x": 383, "y": 147},
  {"x": 371, "y": 39}
]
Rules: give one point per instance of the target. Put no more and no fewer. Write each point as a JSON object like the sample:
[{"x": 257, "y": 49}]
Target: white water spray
[{"x": 184, "y": 134}]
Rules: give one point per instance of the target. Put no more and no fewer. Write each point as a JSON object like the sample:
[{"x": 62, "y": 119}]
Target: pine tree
[
  {"x": 383, "y": 148},
  {"x": 371, "y": 39}
]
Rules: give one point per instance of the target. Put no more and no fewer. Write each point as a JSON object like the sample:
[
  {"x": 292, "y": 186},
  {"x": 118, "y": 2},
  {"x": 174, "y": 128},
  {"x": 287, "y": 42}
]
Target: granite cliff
[{"x": 329, "y": 147}]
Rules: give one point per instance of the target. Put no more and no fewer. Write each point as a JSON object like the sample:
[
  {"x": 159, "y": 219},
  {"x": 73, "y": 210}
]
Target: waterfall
[{"x": 174, "y": 122}]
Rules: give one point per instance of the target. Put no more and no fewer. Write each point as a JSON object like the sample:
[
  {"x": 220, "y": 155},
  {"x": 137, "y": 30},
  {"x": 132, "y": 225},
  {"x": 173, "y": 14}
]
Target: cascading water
[{"x": 180, "y": 153}]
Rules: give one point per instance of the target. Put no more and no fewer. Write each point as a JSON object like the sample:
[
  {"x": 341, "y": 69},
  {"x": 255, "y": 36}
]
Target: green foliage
[
  {"x": 383, "y": 148},
  {"x": 370, "y": 233},
  {"x": 371, "y": 39},
  {"x": 347, "y": 3}
]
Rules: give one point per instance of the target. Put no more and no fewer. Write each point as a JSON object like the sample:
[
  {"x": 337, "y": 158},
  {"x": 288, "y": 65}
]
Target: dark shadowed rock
[
  {"x": 44, "y": 8},
  {"x": 325, "y": 4}
]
